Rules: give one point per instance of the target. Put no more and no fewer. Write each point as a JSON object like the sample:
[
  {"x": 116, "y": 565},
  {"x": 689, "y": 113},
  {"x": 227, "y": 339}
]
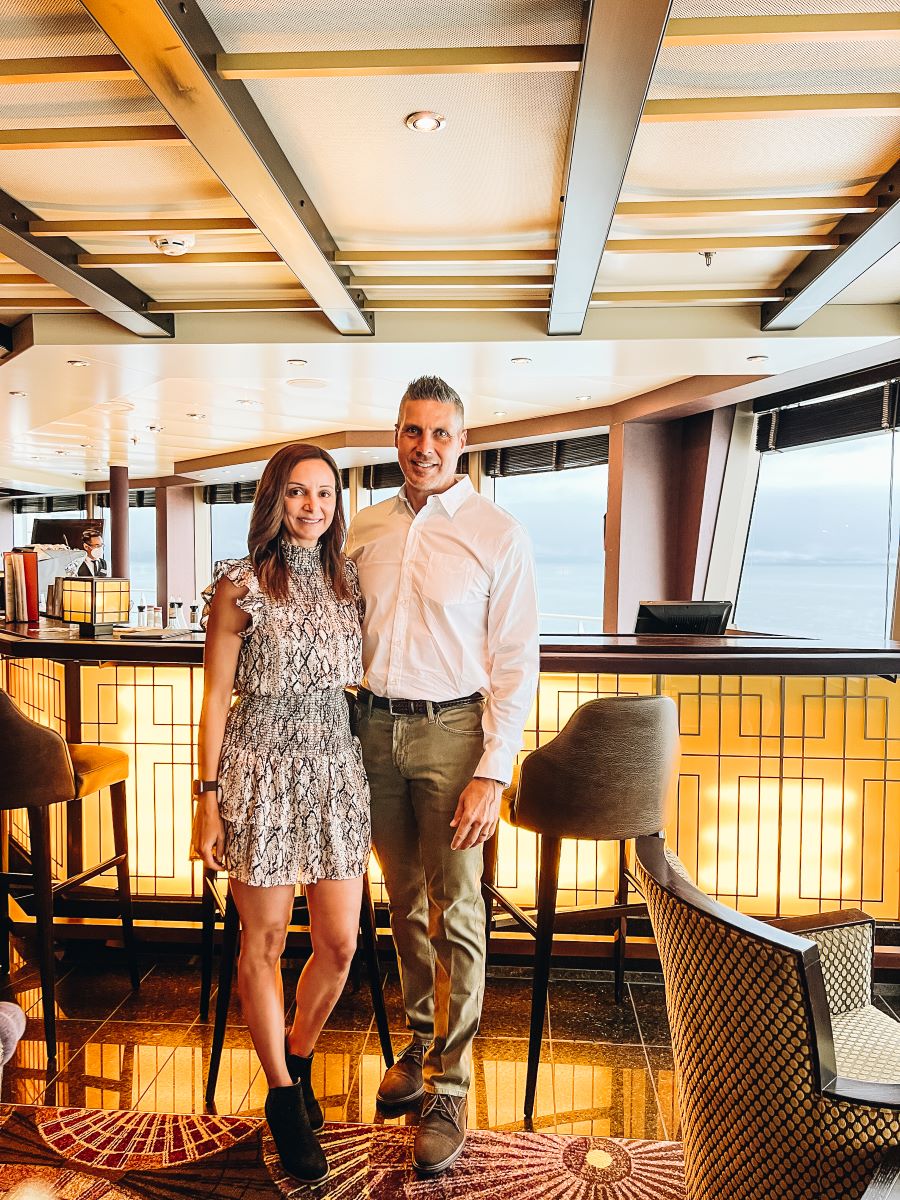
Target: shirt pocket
[{"x": 448, "y": 578}]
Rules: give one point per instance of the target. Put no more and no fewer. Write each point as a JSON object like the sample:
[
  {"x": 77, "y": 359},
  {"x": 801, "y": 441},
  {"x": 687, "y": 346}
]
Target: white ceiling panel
[
  {"x": 36, "y": 29},
  {"x": 367, "y": 24},
  {"x": 763, "y": 157},
  {"x": 777, "y": 8},
  {"x": 879, "y": 285},
  {"x": 81, "y": 103},
  {"x": 493, "y": 172},
  {"x": 729, "y": 269}
]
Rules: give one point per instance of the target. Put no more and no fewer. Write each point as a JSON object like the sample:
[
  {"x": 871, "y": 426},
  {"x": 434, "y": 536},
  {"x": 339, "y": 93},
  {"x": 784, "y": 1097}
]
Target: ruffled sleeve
[{"x": 239, "y": 572}]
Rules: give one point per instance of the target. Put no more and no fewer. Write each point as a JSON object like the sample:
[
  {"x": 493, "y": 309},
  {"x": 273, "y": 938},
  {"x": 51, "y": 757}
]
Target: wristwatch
[{"x": 199, "y": 786}]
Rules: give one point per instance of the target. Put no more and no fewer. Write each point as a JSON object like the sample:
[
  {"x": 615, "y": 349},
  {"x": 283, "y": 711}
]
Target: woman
[{"x": 283, "y": 794}]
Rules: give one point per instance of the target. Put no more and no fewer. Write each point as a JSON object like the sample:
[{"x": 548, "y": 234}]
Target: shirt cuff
[{"x": 495, "y": 764}]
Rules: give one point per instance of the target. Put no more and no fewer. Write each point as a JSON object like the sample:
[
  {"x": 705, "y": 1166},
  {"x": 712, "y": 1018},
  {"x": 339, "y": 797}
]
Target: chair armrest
[
  {"x": 863, "y": 1091},
  {"x": 885, "y": 1183},
  {"x": 814, "y": 922},
  {"x": 846, "y": 941}
]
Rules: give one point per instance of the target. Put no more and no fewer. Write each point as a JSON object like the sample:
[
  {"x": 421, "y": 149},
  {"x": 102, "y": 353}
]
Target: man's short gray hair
[{"x": 432, "y": 387}]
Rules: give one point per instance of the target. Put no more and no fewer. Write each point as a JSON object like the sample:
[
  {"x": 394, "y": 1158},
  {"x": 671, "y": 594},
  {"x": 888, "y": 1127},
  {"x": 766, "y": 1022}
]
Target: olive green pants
[{"x": 417, "y": 767}]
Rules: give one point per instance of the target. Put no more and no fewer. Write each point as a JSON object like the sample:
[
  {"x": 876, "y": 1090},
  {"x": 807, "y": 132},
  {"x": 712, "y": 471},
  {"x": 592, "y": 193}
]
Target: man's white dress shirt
[{"x": 451, "y": 609}]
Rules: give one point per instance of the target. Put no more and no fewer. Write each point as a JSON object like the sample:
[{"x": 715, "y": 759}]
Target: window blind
[
  {"x": 245, "y": 493},
  {"x": 137, "y": 498},
  {"x": 49, "y": 504},
  {"x": 827, "y": 420},
  {"x": 562, "y": 455}
]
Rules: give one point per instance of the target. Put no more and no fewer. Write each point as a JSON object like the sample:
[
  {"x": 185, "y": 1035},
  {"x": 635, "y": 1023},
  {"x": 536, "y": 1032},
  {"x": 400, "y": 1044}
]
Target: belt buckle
[{"x": 399, "y": 712}]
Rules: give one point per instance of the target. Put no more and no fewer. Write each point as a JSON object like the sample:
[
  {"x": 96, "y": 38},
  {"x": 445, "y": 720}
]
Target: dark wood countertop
[
  {"x": 51, "y": 639},
  {"x": 617, "y": 654}
]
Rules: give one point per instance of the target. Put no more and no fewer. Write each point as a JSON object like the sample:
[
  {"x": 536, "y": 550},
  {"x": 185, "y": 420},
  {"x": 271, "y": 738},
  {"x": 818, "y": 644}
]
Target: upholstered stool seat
[
  {"x": 606, "y": 776},
  {"x": 97, "y": 767},
  {"x": 39, "y": 770}
]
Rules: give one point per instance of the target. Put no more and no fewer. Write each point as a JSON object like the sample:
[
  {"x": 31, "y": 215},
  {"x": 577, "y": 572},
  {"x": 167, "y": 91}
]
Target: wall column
[
  {"x": 118, "y": 521},
  {"x": 175, "y": 553},
  {"x": 665, "y": 479}
]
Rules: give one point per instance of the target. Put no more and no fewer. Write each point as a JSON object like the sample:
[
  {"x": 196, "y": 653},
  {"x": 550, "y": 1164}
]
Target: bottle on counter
[
  {"x": 157, "y": 616},
  {"x": 180, "y": 621},
  {"x": 194, "y": 622},
  {"x": 170, "y": 620},
  {"x": 141, "y": 611}
]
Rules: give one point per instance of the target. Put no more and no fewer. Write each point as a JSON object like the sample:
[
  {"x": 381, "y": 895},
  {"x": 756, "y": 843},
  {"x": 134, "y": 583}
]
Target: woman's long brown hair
[{"x": 264, "y": 540}]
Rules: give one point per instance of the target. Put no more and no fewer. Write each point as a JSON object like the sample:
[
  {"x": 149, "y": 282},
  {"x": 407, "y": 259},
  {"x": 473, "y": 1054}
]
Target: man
[
  {"x": 450, "y": 650},
  {"x": 92, "y": 544}
]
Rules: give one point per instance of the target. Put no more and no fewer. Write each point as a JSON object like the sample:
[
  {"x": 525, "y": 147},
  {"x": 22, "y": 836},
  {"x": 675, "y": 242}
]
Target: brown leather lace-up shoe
[
  {"x": 441, "y": 1133},
  {"x": 402, "y": 1083}
]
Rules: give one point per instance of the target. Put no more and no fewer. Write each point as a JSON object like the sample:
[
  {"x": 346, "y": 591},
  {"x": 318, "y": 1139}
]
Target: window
[
  {"x": 563, "y": 511},
  {"x": 822, "y": 548},
  {"x": 141, "y": 553},
  {"x": 229, "y": 526}
]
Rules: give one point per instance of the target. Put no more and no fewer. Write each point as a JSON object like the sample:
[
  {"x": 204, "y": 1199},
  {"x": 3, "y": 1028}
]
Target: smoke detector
[{"x": 173, "y": 244}]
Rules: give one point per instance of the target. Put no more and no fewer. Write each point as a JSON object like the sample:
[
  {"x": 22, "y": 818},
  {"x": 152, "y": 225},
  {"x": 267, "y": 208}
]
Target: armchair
[{"x": 788, "y": 1075}]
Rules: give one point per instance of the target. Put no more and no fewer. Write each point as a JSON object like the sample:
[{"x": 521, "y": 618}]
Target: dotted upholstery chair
[
  {"x": 216, "y": 905},
  {"x": 788, "y": 1076},
  {"x": 41, "y": 769},
  {"x": 606, "y": 776}
]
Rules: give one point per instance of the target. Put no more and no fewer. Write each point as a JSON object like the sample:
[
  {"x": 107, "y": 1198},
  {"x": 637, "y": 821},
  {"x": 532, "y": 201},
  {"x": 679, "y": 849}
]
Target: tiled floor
[{"x": 605, "y": 1069}]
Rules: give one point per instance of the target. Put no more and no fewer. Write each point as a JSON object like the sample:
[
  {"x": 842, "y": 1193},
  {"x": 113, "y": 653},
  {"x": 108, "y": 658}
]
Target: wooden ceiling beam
[
  {"x": 41, "y": 304},
  {"x": 782, "y": 30},
  {"x": 749, "y": 206},
  {"x": 93, "y": 138},
  {"x": 457, "y": 60},
  {"x": 224, "y": 258},
  {"x": 490, "y": 282},
  {"x": 747, "y": 108},
  {"x": 367, "y": 257},
  {"x": 168, "y": 223},
  {"x": 70, "y": 68},
  {"x": 699, "y": 245}
]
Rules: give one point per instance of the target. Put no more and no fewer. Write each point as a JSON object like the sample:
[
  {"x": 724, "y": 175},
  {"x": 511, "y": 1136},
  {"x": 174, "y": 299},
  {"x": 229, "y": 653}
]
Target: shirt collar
[{"x": 452, "y": 500}]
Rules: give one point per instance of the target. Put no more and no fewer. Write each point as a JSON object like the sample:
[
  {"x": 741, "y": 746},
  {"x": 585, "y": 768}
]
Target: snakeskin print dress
[{"x": 293, "y": 794}]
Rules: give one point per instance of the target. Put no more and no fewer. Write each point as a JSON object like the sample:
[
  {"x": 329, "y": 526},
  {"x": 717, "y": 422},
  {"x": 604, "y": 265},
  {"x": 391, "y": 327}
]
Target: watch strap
[{"x": 199, "y": 786}]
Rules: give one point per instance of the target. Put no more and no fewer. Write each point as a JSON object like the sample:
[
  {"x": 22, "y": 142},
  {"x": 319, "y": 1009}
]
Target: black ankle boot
[
  {"x": 300, "y": 1070},
  {"x": 300, "y": 1153}
]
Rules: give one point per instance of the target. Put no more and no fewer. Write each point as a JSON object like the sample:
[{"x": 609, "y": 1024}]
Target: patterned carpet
[{"x": 88, "y": 1154}]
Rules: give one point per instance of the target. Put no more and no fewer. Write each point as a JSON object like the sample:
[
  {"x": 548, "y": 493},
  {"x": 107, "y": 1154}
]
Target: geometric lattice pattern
[
  {"x": 788, "y": 796},
  {"x": 753, "y": 1121}
]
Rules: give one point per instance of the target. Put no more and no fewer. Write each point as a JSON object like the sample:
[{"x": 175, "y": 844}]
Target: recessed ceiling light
[
  {"x": 249, "y": 402},
  {"x": 307, "y": 383},
  {"x": 155, "y": 428},
  {"x": 296, "y": 362},
  {"x": 77, "y": 362},
  {"x": 196, "y": 416},
  {"x": 582, "y": 399},
  {"x": 21, "y": 395},
  {"x": 86, "y": 445},
  {"x": 61, "y": 453},
  {"x": 425, "y": 122},
  {"x": 757, "y": 358},
  {"x": 499, "y": 412},
  {"x": 520, "y": 361}
]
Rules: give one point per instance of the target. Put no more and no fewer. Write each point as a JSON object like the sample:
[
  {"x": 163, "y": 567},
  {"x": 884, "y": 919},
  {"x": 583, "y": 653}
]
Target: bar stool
[
  {"x": 215, "y": 905},
  {"x": 42, "y": 769},
  {"x": 606, "y": 776}
]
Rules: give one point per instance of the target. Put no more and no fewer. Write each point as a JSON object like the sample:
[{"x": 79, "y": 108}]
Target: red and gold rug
[{"x": 89, "y": 1154}]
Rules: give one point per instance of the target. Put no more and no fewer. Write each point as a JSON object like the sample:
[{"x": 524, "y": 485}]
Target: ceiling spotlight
[
  {"x": 173, "y": 244},
  {"x": 708, "y": 256},
  {"x": 582, "y": 399},
  {"x": 249, "y": 402},
  {"x": 86, "y": 445},
  {"x": 155, "y": 428},
  {"x": 196, "y": 416},
  {"x": 77, "y": 362},
  {"x": 499, "y": 412},
  {"x": 520, "y": 361},
  {"x": 296, "y": 362},
  {"x": 425, "y": 122},
  {"x": 757, "y": 358},
  {"x": 20, "y": 395}
]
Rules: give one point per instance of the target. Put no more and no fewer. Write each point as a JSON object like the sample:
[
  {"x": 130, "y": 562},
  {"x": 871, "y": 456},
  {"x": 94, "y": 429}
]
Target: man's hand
[
  {"x": 209, "y": 832},
  {"x": 476, "y": 814}
]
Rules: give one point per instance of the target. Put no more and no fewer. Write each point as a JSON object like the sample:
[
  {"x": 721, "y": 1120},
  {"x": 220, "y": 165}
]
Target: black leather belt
[{"x": 413, "y": 708}]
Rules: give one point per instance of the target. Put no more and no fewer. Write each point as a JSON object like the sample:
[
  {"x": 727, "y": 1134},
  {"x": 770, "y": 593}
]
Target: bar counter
[{"x": 788, "y": 799}]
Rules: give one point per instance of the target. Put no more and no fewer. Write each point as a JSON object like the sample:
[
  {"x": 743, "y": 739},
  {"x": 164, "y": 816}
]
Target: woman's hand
[{"x": 209, "y": 838}]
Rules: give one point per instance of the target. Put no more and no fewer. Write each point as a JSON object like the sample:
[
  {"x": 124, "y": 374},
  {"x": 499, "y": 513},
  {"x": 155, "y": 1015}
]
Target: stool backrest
[
  {"x": 37, "y": 767},
  {"x": 607, "y": 775}
]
